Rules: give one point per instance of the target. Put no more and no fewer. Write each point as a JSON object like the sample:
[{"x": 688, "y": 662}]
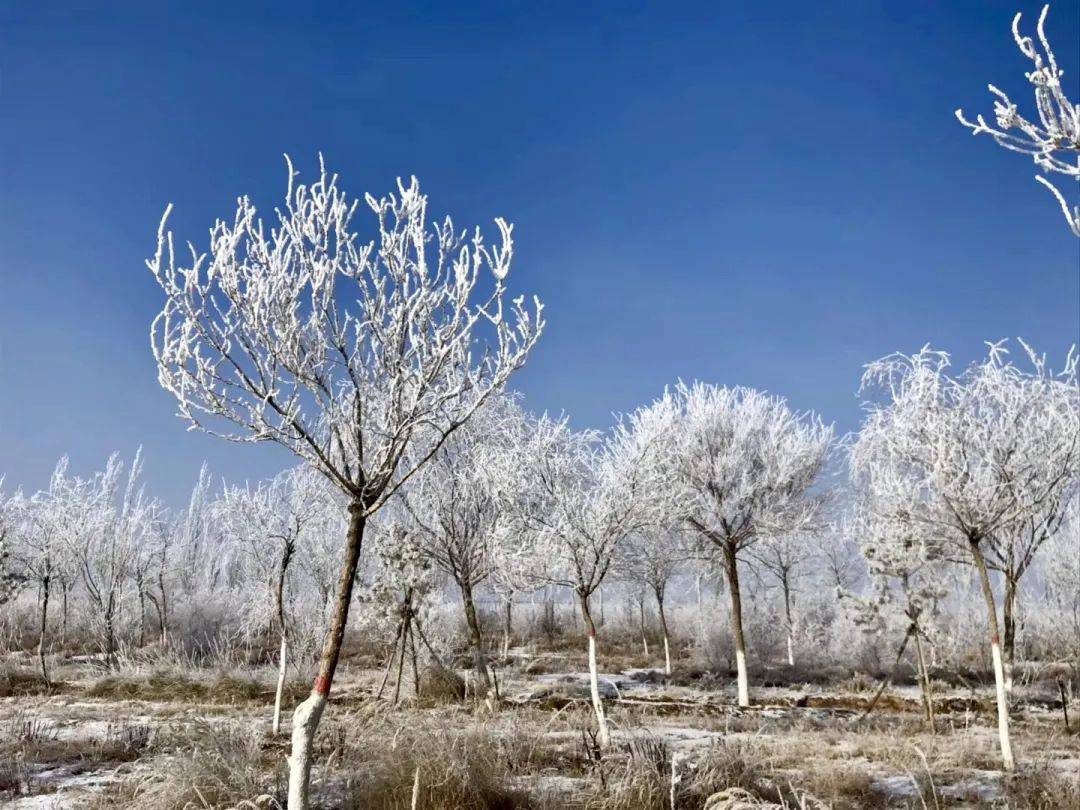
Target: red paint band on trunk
[
  {"x": 994, "y": 641},
  {"x": 321, "y": 687}
]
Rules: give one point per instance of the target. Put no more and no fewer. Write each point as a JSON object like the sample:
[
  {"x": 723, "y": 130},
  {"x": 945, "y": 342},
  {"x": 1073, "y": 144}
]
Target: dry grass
[
  {"x": 173, "y": 686},
  {"x": 798, "y": 749},
  {"x": 30, "y": 746},
  {"x": 16, "y": 681},
  {"x": 1042, "y": 786},
  {"x": 441, "y": 685},
  {"x": 204, "y": 766}
]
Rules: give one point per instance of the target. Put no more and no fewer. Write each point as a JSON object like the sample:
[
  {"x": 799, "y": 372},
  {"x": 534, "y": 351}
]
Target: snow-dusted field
[{"x": 165, "y": 738}]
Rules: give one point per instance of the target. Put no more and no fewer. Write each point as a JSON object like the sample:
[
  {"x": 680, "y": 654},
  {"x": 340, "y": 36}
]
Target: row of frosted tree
[
  {"x": 976, "y": 470},
  {"x": 382, "y": 364}
]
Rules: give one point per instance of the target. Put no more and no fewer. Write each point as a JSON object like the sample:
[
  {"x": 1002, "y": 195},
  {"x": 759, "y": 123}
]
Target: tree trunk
[
  {"x": 282, "y": 660},
  {"x": 700, "y": 610},
  {"x": 641, "y": 621},
  {"x": 63, "y": 612},
  {"x": 283, "y": 630},
  {"x": 412, "y": 657},
  {"x": 736, "y": 624},
  {"x": 508, "y": 624},
  {"x": 924, "y": 682},
  {"x": 475, "y": 634},
  {"x": 604, "y": 736},
  {"x": 405, "y": 627},
  {"x": 995, "y": 652},
  {"x": 664, "y": 629},
  {"x": 44, "y": 625},
  {"x": 790, "y": 622},
  {"x": 110, "y": 634},
  {"x": 307, "y": 715},
  {"x": 1008, "y": 641},
  {"x": 163, "y": 618},
  {"x": 142, "y": 616},
  {"x": 390, "y": 659}
]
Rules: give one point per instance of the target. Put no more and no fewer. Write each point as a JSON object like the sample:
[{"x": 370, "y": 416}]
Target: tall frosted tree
[
  {"x": 967, "y": 457},
  {"x": 361, "y": 357},
  {"x": 737, "y": 465}
]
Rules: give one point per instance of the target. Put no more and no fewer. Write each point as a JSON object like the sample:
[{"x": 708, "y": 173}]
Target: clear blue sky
[{"x": 767, "y": 194}]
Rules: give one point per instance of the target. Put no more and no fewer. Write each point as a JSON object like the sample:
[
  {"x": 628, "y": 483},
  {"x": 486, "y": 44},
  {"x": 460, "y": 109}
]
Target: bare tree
[
  {"x": 1053, "y": 141},
  {"x": 361, "y": 358},
  {"x": 39, "y": 553}
]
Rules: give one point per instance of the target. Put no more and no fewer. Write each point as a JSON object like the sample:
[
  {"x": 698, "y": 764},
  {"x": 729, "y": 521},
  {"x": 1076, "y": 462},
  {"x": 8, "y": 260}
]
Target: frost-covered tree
[
  {"x": 786, "y": 557},
  {"x": 578, "y": 496},
  {"x": 518, "y": 565},
  {"x": 1050, "y": 407},
  {"x": 9, "y": 577},
  {"x": 39, "y": 554},
  {"x": 1054, "y": 140},
  {"x": 454, "y": 510},
  {"x": 902, "y": 558},
  {"x": 402, "y": 590},
  {"x": 104, "y": 519},
  {"x": 360, "y": 357},
  {"x": 967, "y": 457},
  {"x": 737, "y": 466},
  {"x": 648, "y": 560},
  {"x": 517, "y": 569},
  {"x": 1061, "y": 574},
  {"x": 836, "y": 549},
  {"x": 268, "y": 521}
]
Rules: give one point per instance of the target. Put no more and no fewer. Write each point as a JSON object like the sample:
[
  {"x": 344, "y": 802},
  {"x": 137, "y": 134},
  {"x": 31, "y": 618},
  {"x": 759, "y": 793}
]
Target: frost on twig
[{"x": 1054, "y": 140}]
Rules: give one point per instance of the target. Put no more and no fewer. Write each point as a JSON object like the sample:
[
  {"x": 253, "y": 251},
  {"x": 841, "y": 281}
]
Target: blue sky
[{"x": 768, "y": 194}]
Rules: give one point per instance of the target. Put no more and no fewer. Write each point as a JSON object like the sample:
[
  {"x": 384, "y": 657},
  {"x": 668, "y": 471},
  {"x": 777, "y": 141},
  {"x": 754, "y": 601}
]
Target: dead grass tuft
[{"x": 441, "y": 685}]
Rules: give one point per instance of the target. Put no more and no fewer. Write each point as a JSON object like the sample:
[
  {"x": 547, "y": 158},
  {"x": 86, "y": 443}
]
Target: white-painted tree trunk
[
  {"x": 594, "y": 686},
  {"x": 282, "y": 662},
  {"x": 305, "y": 721},
  {"x": 641, "y": 624},
  {"x": 743, "y": 679},
  {"x": 995, "y": 650},
  {"x": 790, "y": 649},
  {"x": 1002, "y": 707},
  {"x": 667, "y": 656}
]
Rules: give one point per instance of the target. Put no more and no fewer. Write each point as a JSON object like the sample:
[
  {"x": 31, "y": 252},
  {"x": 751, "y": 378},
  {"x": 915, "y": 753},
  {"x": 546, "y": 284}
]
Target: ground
[{"x": 166, "y": 737}]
